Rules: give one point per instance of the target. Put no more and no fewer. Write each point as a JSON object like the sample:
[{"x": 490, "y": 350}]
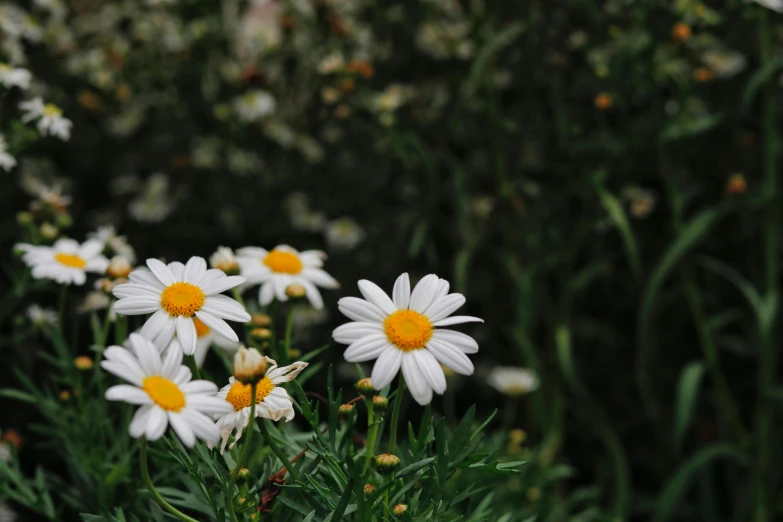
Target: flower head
[
  {"x": 117, "y": 244},
  {"x": 249, "y": 365},
  {"x": 513, "y": 381},
  {"x": 7, "y": 162},
  {"x": 344, "y": 234},
  {"x": 165, "y": 392},
  {"x": 50, "y": 118},
  {"x": 272, "y": 401},
  {"x": 14, "y": 76},
  {"x": 404, "y": 332},
  {"x": 66, "y": 261},
  {"x": 224, "y": 259},
  {"x": 41, "y": 316},
  {"x": 177, "y": 295},
  {"x": 284, "y": 266}
]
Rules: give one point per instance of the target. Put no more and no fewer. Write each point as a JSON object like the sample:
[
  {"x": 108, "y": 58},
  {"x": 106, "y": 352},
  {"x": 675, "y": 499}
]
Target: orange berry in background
[{"x": 604, "y": 101}]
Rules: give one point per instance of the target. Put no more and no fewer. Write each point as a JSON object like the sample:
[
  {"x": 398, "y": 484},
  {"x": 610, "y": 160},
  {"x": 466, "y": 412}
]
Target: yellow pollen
[
  {"x": 164, "y": 393},
  {"x": 283, "y": 262},
  {"x": 52, "y": 110},
  {"x": 408, "y": 330},
  {"x": 70, "y": 260},
  {"x": 239, "y": 394},
  {"x": 201, "y": 328},
  {"x": 182, "y": 299}
]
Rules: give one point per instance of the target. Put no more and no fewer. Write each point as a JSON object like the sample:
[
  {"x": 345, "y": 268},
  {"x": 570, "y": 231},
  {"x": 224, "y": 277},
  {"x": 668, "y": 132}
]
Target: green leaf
[
  {"x": 678, "y": 483},
  {"x": 18, "y": 395},
  {"x": 495, "y": 466},
  {"x": 683, "y": 129},
  {"x": 617, "y": 214},
  {"x": 758, "y": 79},
  {"x": 413, "y": 468},
  {"x": 687, "y": 394},
  {"x": 339, "y": 511}
]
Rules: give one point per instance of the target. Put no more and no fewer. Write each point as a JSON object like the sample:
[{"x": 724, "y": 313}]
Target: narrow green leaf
[
  {"x": 413, "y": 468},
  {"x": 617, "y": 214},
  {"x": 687, "y": 394},
  {"x": 757, "y": 81}
]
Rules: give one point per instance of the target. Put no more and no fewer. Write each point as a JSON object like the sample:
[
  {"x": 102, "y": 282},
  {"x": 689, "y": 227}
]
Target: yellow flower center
[
  {"x": 70, "y": 260},
  {"x": 164, "y": 393},
  {"x": 283, "y": 262},
  {"x": 239, "y": 394},
  {"x": 182, "y": 299},
  {"x": 52, "y": 110},
  {"x": 408, "y": 330},
  {"x": 201, "y": 328}
]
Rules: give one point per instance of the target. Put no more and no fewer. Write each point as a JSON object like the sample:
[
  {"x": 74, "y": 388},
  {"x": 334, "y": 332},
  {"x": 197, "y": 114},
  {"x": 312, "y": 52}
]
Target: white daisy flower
[
  {"x": 254, "y": 105},
  {"x": 344, "y": 234},
  {"x": 282, "y": 267},
  {"x": 176, "y": 295},
  {"x": 272, "y": 401},
  {"x": 50, "y": 118},
  {"x": 117, "y": 244},
  {"x": 224, "y": 259},
  {"x": 7, "y": 162},
  {"x": 402, "y": 332},
  {"x": 14, "y": 76},
  {"x": 66, "y": 261},
  {"x": 164, "y": 391},
  {"x": 41, "y": 316},
  {"x": 205, "y": 337},
  {"x": 513, "y": 381}
]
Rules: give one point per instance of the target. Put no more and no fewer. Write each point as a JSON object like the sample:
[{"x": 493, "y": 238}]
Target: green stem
[
  {"x": 289, "y": 330},
  {"x": 190, "y": 360},
  {"x": 276, "y": 450},
  {"x": 246, "y": 448},
  {"x": 396, "y": 415},
  {"x": 151, "y": 487},
  {"x": 372, "y": 434},
  {"x": 61, "y": 307}
]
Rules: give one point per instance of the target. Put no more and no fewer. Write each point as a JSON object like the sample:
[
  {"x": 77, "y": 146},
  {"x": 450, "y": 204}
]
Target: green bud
[
  {"x": 369, "y": 489},
  {"x": 399, "y": 509},
  {"x": 365, "y": 386},
  {"x": 386, "y": 462},
  {"x": 380, "y": 403},
  {"x": 346, "y": 411}
]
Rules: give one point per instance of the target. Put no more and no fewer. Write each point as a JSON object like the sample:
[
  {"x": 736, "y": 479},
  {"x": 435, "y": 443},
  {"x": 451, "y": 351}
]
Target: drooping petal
[
  {"x": 138, "y": 424},
  {"x": 226, "y": 308},
  {"x": 218, "y": 325},
  {"x": 201, "y": 425},
  {"x": 450, "y": 356},
  {"x": 182, "y": 429},
  {"x": 431, "y": 370},
  {"x": 157, "y": 423},
  {"x": 186, "y": 333},
  {"x": 386, "y": 367},
  {"x": 155, "y": 324},
  {"x": 414, "y": 378}
]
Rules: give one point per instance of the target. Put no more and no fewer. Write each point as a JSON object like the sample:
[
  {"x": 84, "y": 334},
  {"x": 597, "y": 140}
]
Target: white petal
[
  {"x": 157, "y": 423},
  {"x": 172, "y": 360},
  {"x": 147, "y": 355},
  {"x": 320, "y": 277},
  {"x": 464, "y": 342},
  {"x": 422, "y": 295},
  {"x": 140, "y": 420},
  {"x": 136, "y": 305},
  {"x": 414, "y": 378},
  {"x": 257, "y": 253},
  {"x": 360, "y": 310},
  {"x": 166, "y": 335},
  {"x": 132, "y": 374},
  {"x": 226, "y": 308},
  {"x": 402, "y": 292},
  {"x": 281, "y": 283},
  {"x": 199, "y": 387},
  {"x": 458, "y": 319},
  {"x": 195, "y": 269},
  {"x": 266, "y": 293},
  {"x": 177, "y": 269},
  {"x": 183, "y": 376},
  {"x": 445, "y": 306},
  {"x": 136, "y": 290},
  {"x": 431, "y": 370},
  {"x": 218, "y": 325},
  {"x": 376, "y": 296},
  {"x": 222, "y": 284},
  {"x": 386, "y": 367},
  {"x": 201, "y": 425},
  {"x": 350, "y": 332},
  {"x": 161, "y": 271},
  {"x": 90, "y": 248},
  {"x": 186, "y": 333},
  {"x": 367, "y": 348},
  {"x": 65, "y": 245},
  {"x": 154, "y": 325},
  {"x": 182, "y": 429},
  {"x": 450, "y": 356},
  {"x": 312, "y": 293},
  {"x": 143, "y": 276},
  {"x": 443, "y": 289},
  {"x": 283, "y": 374},
  {"x": 128, "y": 393}
]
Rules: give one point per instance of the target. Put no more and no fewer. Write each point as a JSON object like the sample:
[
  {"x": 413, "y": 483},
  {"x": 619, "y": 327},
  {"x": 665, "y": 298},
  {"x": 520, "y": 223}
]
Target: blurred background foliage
[{"x": 598, "y": 177}]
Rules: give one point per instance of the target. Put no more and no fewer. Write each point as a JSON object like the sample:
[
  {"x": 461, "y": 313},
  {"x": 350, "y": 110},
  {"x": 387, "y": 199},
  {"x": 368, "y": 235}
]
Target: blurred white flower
[
  {"x": 725, "y": 63},
  {"x": 6, "y": 513},
  {"x": 117, "y": 244},
  {"x": 155, "y": 203},
  {"x": 259, "y": 29},
  {"x": 50, "y": 118},
  {"x": 67, "y": 261},
  {"x": 513, "y": 381},
  {"x": 94, "y": 301},
  {"x": 331, "y": 63},
  {"x": 41, "y": 316},
  {"x": 775, "y": 5},
  {"x": 7, "y": 162},
  {"x": 14, "y": 76},
  {"x": 224, "y": 259},
  {"x": 254, "y": 105},
  {"x": 343, "y": 234}
]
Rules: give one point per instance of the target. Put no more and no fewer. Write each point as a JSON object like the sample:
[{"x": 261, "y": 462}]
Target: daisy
[
  {"x": 14, "y": 76},
  {"x": 50, "y": 118},
  {"x": 66, "y": 261},
  {"x": 176, "y": 295},
  {"x": 402, "y": 332},
  {"x": 272, "y": 401},
  {"x": 41, "y": 316},
  {"x": 7, "y": 162},
  {"x": 205, "y": 337},
  {"x": 224, "y": 259},
  {"x": 513, "y": 381},
  {"x": 344, "y": 234},
  {"x": 164, "y": 391},
  {"x": 284, "y": 266},
  {"x": 254, "y": 105}
]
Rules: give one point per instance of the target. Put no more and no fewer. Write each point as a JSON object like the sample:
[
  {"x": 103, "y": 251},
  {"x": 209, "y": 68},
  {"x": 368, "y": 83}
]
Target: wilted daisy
[
  {"x": 66, "y": 261},
  {"x": 284, "y": 266},
  {"x": 41, "y": 316},
  {"x": 14, "y": 76},
  {"x": 164, "y": 391},
  {"x": 403, "y": 332},
  {"x": 254, "y": 105},
  {"x": 272, "y": 401},
  {"x": 50, "y": 118},
  {"x": 513, "y": 381},
  {"x": 7, "y": 162},
  {"x": 177, "y": 295},
  {"x": 205, "y": 337}
]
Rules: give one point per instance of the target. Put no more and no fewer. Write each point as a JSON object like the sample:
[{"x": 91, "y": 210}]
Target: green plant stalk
[
  {"x": 767, "y": 359},
  {"x": 289, "y": 331},
  {"x": 396, "y": 415},
  {"x": 61, "y": 302},
  {"x": 190, "y": 360},
  {"x": 246, "y": 448},
  {"x": 372, "y": 434},
  {"x": 276, "y": 450},
  {"x": 151, "y": 487}
]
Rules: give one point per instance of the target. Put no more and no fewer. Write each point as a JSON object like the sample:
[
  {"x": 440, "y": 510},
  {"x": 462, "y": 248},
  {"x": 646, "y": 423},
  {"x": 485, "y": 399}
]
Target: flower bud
[
  {"x": 65, "y": 395},
  {"x": 365, "y": 386},
  {"x": 260, "y": 336},
  {"x": 243, "y": 473},
  {"x": 119, "y": 267},
  {"x": 346, "y": 411},
  {"x": 380, "y": 403},
  {"x": 369, "y": 489},
  {"x": 517, "y": 436},
  {"x": 223, "y": 259},
  {"x": 260, "y": 320},
  {"x": 249, "y": 365},
  {"x": 83, "y": 363},
  {"x": 295, "y": 291},
  {"x": 399, "y": 509},
  {"x": 386, "y": 462},
  {"x": 49, "y": 231},
  {"x": 64, "y": 220},
  {"x": 24, "y": 218}
]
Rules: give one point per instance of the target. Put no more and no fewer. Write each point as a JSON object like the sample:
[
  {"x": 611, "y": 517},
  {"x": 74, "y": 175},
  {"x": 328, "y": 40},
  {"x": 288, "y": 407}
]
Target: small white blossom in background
[
  {"x": 7, "y": 162},
  {"x": 6, "y": 513},
  {"x": 117, "y": 244},
  {"x": 50, "y": 118},
  {"x": 14, "y": 76},
  {"x": 95, "y": 301},
  {"x": 331, "y": 63},
  {"x": 67, "y": 261},
  {"x": 155, "y": 203},
  {"x": 254, "y": 105},
  {"x": 724, "y": 64},
  {"x": 344, "y": 234},
  {"x": 513, "y": 381},
  {"x": 775, "y": 5},
  {"x": 224, "y": 259},
  {"x": 260, "y": 29},
  {"x": 41, "y": 316}
]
